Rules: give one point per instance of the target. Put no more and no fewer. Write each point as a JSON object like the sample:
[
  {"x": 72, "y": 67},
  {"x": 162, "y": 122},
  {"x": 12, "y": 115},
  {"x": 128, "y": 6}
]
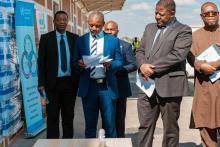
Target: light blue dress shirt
[{"x": 68, "y": 71}]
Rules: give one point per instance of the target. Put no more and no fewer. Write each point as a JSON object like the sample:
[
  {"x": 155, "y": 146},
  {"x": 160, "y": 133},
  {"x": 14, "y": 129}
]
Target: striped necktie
[{"x": 93, "y": 51}]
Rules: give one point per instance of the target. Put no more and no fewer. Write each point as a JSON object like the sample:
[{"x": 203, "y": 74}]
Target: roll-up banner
[{"x": 25, "y": 41}]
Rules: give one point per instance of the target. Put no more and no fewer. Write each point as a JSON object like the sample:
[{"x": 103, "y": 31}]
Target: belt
[{"x": 99, "y": 81}]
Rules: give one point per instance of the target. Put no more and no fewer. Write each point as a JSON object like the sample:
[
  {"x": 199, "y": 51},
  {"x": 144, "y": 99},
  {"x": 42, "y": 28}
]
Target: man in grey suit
[
  {"x": 161, "y": 56},
  {"x": 124, "y": 88}
]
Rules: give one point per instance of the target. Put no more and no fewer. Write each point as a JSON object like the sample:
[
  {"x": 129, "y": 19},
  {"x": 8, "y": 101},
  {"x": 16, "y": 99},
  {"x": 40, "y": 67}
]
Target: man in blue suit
[
  {"x": 124, "y": 87},
  {"x": 98, "y": 85}
]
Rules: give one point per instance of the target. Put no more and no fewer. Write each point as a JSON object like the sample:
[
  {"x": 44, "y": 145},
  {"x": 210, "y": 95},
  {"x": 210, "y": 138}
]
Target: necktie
[
  {"x": 157, "y": 40},
  {"x": 93, "y": 51},
  {"x": 63, "y": 54}
]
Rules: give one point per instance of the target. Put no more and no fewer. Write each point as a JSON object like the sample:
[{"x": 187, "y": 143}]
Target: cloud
[
  {"x": 185, "y": 2},
  {"x": 141, "y": 6}
]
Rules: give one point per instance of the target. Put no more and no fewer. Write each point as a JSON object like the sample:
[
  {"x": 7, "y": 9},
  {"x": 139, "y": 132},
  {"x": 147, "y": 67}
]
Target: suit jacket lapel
[
  {"x": 54, "y": 44},
  {"x": 164, "y": 37},
  {"x": 86, "y": 44},
  {"x": 54, "y": 48},
  {"x": 105, "y": 46},
  {"x": 151, "y": 40},
  {"x": 70, "y": 44}
]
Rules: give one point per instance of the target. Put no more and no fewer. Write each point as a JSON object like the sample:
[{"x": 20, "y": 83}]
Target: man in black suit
[
  {"x": 56, "y": 77},
  {"x": 124, "y": 88}
]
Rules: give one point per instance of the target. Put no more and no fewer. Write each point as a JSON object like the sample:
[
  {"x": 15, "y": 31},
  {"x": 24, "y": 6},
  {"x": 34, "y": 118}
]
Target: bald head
[
  {"x": 208, "y": 4},
  {"x": 111, "y": 27},
  {"x": 210, "y": 15}
]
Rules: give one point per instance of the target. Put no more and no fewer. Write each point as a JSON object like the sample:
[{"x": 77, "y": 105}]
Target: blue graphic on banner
[{"x": 28, "y": 66}]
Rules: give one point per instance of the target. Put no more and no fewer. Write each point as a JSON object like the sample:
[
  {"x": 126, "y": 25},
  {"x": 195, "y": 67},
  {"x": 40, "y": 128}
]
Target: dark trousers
[
  {"x": 61, "y": 99},
  {"x": 148, "y": 113},
  {"x": 120, "y": 117}
]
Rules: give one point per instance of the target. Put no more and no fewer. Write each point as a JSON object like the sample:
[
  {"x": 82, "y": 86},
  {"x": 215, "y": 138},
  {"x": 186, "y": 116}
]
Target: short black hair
[
  {"x": 168, "y": 4},
  {"x": 60, "y": 12}
]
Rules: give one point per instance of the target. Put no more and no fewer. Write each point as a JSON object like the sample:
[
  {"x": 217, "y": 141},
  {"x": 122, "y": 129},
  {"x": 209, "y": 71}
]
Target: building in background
[
  {"x": 74, "y": 8},
  {"x": 77, "y": 11}
]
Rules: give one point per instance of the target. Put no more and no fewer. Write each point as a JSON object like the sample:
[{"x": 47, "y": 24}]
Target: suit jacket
[
  {"x": 168, "y": 57},
  {"x": 129, "y": 65},
  {"x": 111, "y": 48},
  {"x": 48, "y": 59}
]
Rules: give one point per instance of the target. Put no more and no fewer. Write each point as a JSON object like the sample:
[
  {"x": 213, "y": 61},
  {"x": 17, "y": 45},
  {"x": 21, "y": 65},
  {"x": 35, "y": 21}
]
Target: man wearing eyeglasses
[
  {"x": 206, "y": 102},
  {"x": 161, "y": 57}
]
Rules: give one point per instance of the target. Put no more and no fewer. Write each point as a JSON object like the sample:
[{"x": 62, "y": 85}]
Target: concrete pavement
[{"x": 188, "y": 137}]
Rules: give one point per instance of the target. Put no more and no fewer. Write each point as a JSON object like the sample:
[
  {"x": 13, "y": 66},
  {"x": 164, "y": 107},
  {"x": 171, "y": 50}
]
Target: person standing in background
[
  {"x": 124, "y": 88},
  {"x": 56, "y": 76},
  {"x": 135, "y": 44},
  {"x": 206, "y": 101}
]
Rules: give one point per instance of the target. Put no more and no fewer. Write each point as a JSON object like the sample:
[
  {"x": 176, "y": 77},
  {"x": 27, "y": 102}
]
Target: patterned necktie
[
  {"x": 93, "y": 51},
  {"x": 63, "y": 54},
  {"x": 159, "y": 36}
]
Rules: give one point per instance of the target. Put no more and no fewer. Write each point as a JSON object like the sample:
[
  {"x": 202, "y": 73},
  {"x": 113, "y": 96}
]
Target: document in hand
[
  {"x": 209, "y": 55},
  {"x": 95, "y": 60},
  {"x": 146, "y": 86}
]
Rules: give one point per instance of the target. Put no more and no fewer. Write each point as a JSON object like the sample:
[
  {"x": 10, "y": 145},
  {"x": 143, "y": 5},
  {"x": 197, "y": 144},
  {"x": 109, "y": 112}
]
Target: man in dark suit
[
  {"x": 98, "y": 84},
  {"x": 161, "y": 57},
  {"x": 124, "y": 88},
  {"x": 56, "y": 77}
]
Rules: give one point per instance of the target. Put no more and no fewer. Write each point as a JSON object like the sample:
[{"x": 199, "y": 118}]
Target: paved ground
[{"x": 188, "y": 137}]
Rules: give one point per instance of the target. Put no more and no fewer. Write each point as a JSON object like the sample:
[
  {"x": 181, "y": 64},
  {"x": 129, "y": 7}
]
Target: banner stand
[
  {"x": 34, "y": 134},
  {"x": 27, "y": 58}
]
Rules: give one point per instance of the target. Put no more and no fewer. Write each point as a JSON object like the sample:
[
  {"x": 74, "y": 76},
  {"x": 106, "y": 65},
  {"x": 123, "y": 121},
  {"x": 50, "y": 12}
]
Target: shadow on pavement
[
  {"x": 189, "y": 144},
  {"x": 134, "y": 138}
]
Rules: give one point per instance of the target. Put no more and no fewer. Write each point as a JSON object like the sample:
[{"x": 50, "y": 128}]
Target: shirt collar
[
  {"x": 98, "y": 36},
  {"x": 169, "y": 23},
  {"x": 59, "y": 34}
]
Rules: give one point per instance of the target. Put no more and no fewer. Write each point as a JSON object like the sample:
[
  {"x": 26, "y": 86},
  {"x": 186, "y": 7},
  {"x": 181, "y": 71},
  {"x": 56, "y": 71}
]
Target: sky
[{"x": 136, "y": 14}]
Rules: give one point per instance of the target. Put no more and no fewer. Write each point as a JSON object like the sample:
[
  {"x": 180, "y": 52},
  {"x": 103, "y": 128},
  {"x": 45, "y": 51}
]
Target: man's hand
[
  {"x": 41, "y": 89},
  {"x": 81, "y": 64},
  {"x": 106, "y": 65},
  {"x": 147, "y": 70},
  {"x": 207, "y": 68}
]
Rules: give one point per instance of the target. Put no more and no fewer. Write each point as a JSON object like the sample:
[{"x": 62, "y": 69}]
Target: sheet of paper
[
  {"x": 95, "y": 60},
  {"x": 146, "y": 86},
  {"x": 105, "y": 59},
  {"x": 209, "y": 55},
  {"x": 91, "y": 60}
]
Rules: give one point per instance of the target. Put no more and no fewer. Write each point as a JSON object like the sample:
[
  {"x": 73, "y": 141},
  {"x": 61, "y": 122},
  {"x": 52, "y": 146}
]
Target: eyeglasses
[{"x": 210, "y": 14}]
